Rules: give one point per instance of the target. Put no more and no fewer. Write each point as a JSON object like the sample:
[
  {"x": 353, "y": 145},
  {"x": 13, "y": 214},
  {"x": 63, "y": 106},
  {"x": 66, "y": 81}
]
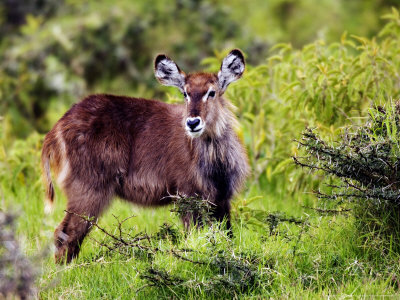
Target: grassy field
[{"x": 294, "y": 253}]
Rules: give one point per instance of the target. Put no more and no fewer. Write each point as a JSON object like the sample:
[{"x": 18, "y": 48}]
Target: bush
[
  {"x": 59, "y": 51},
  {"x": 323, "y": 85},
  {"x": 366, "y": 163},
  {"x": 102, "y": 48}
]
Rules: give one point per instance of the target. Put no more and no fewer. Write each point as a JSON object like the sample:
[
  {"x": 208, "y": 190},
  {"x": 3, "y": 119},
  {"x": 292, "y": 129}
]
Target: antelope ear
[
  {"x": 168, "y": 73},
  {"x": 232, "y": 68}
]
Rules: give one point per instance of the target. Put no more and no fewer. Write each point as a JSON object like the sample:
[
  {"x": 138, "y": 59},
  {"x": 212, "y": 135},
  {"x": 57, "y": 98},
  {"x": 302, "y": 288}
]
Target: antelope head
[{"x": 202, "y": 91}]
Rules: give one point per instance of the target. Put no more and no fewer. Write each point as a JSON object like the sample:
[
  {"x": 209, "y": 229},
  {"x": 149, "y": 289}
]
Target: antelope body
[{"x": 144, "y": 150}]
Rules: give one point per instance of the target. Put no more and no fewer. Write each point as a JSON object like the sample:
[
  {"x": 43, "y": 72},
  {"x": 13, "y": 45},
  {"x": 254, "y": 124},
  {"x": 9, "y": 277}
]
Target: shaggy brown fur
[{"x": 139, "y": 150}]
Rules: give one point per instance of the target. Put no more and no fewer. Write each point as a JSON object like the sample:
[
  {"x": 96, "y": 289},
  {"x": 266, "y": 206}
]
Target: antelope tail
[{"x": 49, "y": 197}]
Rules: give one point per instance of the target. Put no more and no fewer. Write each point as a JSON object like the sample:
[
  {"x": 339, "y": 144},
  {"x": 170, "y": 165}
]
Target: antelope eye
[
  {"x": 184, "y": 94},
  {"x": 211, "y": 94}
]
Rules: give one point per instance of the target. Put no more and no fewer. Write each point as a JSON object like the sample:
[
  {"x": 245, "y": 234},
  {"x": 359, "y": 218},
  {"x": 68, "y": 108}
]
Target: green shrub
[
  {"x": 366, "y": 163},
  {"x": 322, "y": 86},
  {"x": 52, "y": 53},
  {"x": 101, "y": 48}
]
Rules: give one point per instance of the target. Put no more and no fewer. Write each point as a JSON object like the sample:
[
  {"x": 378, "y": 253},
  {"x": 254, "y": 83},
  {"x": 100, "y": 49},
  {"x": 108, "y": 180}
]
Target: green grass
[{"x": 324, "y": 256}]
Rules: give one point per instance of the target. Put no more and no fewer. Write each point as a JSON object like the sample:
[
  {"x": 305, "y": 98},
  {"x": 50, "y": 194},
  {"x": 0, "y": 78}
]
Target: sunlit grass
[{"x": 321, "y": 257}]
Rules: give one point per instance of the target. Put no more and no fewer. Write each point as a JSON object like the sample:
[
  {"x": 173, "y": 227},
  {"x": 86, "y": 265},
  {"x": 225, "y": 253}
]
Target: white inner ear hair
[
  {"x": 168, "y": 74},
  {"x": 231, "y": 69}
]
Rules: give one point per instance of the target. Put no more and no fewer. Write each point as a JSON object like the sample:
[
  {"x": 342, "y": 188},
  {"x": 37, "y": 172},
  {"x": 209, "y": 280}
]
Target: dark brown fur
[{"x": 137, "y": 149}]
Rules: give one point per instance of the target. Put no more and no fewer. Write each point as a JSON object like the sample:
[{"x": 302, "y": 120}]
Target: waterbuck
[{"x": 144, "y": 150}]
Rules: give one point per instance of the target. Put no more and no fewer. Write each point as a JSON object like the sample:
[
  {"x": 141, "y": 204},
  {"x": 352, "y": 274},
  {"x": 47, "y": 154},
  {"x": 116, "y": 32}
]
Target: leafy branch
[{"x": 364, "y": 166}]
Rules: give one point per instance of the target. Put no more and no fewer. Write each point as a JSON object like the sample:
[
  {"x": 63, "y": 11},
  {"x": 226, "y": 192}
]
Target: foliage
[
  {"x": 302, "y": 21},
  {"x": 55, "y": 62},
  {"x": 323, "y": 86},
  {"x": 14, "y": 13},
  {"x": 366, "y": 161},
  {"x": 200, "y": 209},
  {"x": 102, "y": 48},
  {"x": 60, "y": 51}
]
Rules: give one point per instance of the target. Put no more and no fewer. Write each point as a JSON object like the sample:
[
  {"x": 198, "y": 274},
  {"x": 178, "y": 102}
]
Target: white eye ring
[
  {"x": 185, "y": 94},
  {"x": 210, "y": 94}
]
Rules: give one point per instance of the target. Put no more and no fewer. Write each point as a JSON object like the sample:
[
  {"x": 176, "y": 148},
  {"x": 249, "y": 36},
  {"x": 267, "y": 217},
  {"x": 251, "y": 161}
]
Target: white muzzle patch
[{"x": 194, "y": 126}]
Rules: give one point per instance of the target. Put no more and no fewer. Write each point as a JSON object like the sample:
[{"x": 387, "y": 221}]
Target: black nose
[{"x": 192, "y": 123}]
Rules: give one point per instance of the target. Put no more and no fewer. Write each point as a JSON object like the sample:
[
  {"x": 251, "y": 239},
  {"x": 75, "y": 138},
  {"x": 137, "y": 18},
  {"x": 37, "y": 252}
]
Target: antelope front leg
[
  {"x": 190, "y": 219},
  {"x": 223, "y": 212},
  {"x": 69, "y": 236}
]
